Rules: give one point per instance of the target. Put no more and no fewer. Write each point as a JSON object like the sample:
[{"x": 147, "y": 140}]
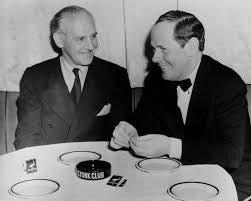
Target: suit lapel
[
  {"x": 176, "y": 121},
  {"x": 170, "y": 113},
  {"x": 200, "y": 97},
  {"x": 91, "y": 101},
  {"x": 93, "y": 92},
  {"x": 57, "y": 94}
]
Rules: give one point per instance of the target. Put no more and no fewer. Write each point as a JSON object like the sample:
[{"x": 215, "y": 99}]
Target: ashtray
[{"x": 93, "y": 169}]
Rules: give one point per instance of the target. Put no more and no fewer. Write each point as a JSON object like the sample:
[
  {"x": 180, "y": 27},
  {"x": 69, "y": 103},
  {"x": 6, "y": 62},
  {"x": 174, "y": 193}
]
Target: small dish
[
  {"x": 158, "y": 165},
  {"x": 74, "y": 157},
  {"x": 193, "y": 191},
  {"x": 34, "y": 188}
]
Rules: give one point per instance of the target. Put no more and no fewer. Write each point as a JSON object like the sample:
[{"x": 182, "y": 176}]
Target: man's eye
[
  {"x": 81, "y": 38},
  {"x": 165, "y": 50},
  {"x": 94, "y": 36}
]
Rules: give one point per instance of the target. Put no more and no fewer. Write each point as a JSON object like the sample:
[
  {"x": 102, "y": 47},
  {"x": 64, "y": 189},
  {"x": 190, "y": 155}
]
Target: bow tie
[{"x": 184, "y": 84}]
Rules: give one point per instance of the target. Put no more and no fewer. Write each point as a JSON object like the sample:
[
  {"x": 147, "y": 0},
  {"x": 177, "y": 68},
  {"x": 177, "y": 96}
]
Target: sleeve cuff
[{"x": 175, "y": 150}]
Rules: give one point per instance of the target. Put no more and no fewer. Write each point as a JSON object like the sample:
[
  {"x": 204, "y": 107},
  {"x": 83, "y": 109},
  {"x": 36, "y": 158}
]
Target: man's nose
[
  {"x": 90, "y": 44},
  {"x": 156, "y": 56}
]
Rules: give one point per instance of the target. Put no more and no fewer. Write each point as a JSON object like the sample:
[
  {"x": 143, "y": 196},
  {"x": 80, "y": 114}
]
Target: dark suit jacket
[
  {"x": 217, "y": 119},
  {"x": 47, "y": 114}
]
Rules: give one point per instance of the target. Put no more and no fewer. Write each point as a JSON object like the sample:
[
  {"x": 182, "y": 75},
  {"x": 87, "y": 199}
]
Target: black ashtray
[{"x": 93, "y": 169}]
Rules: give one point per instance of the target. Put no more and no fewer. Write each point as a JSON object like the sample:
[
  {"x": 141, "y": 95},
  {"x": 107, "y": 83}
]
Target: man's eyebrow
[
  {"x": 84, "y": 36},
  {"x": 160, "y": 46},
  {"x": 156, "y": 46}
]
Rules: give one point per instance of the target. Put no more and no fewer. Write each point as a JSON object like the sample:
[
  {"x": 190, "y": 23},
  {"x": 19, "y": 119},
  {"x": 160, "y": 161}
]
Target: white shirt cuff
[{"x": 175, "y": 150}]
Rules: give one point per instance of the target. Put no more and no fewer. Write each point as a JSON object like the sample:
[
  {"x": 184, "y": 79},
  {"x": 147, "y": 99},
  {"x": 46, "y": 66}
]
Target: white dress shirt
[
  {"x": 184, "y": 96},
  {"x": 175, "y": 149},
  {"x": 69, "y": 76}
]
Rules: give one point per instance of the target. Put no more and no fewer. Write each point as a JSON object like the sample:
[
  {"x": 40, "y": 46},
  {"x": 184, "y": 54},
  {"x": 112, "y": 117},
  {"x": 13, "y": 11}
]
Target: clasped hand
[{"x": 151, "y": 145}]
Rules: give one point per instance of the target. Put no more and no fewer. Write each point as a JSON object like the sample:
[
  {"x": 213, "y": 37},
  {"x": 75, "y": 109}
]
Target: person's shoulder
[
  {"x": 107, "y": 65},
  {"x": 223, "y": 76},
  {"x": 153, "y": 78},
  {"x": 44, "y": 65},
  {"x": 154, "y": 85},
  {"x": 40, "y": 70}
]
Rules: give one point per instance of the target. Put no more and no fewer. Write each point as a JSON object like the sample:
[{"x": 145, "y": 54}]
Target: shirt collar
[
  {"x": 192, "y": 77},
  {"x": 68, "y": 67},
  {"x": 193, "y": 74}
]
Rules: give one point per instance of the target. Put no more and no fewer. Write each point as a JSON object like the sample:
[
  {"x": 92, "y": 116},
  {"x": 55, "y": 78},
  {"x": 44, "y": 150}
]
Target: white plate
[
  {"x": 158, "y": 165},
  {"x": 193, "y": 191},
  {"x": 74, "y": 157},
  {"x": 34, "y": 188}
]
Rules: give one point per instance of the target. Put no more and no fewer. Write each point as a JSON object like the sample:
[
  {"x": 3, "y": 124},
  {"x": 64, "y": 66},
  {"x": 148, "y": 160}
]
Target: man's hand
[
  {"x": 151, "y": 145},
  {"x": 122, "y": 133}
]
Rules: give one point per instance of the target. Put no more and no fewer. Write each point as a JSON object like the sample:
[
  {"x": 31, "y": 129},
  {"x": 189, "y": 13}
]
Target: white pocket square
[{"x": 105, "y": 110}]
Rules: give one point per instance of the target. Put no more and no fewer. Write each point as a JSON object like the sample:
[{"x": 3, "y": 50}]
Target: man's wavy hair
[
  {"x": 186, "y": 27},
  {"x": 56, "y": 20}
]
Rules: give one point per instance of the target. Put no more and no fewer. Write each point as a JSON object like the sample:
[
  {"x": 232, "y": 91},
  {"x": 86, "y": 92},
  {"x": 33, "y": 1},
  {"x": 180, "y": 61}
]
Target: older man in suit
[
  {"x": 75, "y": 96},
  {"x": 193, "y": 108}
]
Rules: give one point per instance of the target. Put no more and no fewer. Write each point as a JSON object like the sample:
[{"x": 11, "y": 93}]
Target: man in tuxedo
[
  {"x": 75, "y": 96},
  {"x": 193, "y": 108}
]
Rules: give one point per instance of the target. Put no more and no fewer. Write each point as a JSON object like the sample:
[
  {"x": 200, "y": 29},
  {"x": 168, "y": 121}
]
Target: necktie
[
  {"x": 76, "y": 90},
  {"x": 184, "y": 84}
]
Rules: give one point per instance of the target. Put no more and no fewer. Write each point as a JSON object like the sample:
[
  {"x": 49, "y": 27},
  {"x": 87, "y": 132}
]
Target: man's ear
[
  {"x": 192, "y": 46},
  {"x": 58, "y": 39}
]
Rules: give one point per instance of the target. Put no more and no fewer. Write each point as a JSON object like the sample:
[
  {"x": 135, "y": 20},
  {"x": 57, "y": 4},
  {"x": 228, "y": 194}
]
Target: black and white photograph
[{"x": 125, "y": 100}]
